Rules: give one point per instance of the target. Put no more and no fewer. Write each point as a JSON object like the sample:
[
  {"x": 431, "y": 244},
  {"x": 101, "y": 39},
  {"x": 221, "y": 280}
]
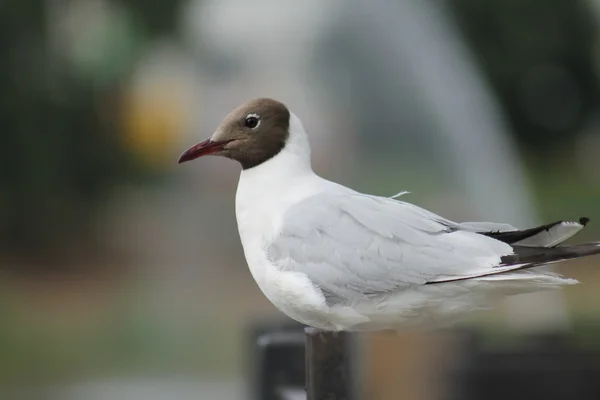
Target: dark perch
[{"x": 328, "y": 365}]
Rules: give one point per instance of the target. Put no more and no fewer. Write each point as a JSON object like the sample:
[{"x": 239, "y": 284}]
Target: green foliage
[
  {"x": 539, "y": 59},
  {"x": 60, "y": 148},
  {"x": 56, "y": 158}
]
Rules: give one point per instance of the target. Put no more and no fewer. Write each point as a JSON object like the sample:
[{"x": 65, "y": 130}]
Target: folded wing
[{"x": 354, "y": 245}]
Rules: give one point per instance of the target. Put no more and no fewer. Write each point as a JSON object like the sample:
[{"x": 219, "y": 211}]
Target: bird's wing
[
  {"x": 548, "y": 235},
  {"x": 487, "y": 227},
  {"x": 350, "y": 245}
]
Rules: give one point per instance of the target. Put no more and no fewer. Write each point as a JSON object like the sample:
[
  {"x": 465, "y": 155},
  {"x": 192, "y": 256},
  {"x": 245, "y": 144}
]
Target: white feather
[
  {"x": 553, "y": 236},
  {"x": 336, "y": 259}
]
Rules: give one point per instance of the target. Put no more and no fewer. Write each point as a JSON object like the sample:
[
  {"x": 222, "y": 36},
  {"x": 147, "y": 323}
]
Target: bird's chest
[
  {"x": 291, "y": 292},
  {"x": 259, "y": 220},
  {"x": 281, "y": 287}
]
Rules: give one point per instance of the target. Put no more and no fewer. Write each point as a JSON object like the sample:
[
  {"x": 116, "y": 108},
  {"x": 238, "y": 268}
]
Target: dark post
[{"x": 328, "y": 365}]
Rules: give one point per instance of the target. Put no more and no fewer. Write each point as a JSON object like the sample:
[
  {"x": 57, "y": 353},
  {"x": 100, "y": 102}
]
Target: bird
[{"x": 336, "y": 259}]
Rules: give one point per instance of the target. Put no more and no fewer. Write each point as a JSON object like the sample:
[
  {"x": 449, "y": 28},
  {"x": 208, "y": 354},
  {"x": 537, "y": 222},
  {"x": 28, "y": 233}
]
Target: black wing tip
[{"x": 584, "y": 221}]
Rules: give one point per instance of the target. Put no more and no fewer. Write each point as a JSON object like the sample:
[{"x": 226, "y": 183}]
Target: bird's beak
[{"x": 202, "y": 149}]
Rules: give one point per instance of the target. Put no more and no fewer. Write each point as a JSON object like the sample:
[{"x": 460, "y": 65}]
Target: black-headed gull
[{"x": 336, "y": 259}]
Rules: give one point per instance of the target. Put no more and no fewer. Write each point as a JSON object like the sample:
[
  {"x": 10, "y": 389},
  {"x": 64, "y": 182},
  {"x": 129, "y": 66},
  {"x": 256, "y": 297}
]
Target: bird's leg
[
  {"x": 322, "y": 333},
  {"x": 328, "y": 370}
]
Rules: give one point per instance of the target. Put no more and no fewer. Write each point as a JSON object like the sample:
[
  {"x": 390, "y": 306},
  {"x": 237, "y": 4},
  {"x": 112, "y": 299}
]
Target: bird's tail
[
  {"x": 525, "y": 257},
  {"x": 528, "y": 257},
  {"x": 548, "y": 235}
]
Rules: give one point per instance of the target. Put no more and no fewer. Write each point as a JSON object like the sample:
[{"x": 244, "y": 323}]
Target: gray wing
[{"x": 353, "y": 245}]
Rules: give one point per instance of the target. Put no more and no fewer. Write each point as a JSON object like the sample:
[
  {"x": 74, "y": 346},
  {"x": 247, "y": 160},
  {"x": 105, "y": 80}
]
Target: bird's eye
[{"x": 252, "y": 121}]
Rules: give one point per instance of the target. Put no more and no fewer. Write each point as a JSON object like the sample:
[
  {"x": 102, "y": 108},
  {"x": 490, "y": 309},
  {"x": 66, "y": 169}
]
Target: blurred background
[{"x": 121, "y": 273}]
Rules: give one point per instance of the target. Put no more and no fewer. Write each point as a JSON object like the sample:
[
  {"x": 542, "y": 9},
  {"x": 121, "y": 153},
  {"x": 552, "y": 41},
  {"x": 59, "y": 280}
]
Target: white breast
[{"x": 264, "y": 193}]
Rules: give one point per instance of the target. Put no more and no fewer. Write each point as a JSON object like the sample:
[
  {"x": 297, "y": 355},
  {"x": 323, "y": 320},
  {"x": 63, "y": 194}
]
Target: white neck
[
  {"x": 267, "y": 190},
  {"x": 292, "y": 161}
]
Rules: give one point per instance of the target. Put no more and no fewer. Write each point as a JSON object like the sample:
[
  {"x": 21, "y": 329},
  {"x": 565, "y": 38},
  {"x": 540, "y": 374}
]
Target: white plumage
[{"x": 336, "y": 259}]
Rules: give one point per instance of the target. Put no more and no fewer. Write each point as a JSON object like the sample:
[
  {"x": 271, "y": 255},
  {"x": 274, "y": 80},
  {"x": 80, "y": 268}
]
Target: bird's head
[{"x": 251, "y": 134}]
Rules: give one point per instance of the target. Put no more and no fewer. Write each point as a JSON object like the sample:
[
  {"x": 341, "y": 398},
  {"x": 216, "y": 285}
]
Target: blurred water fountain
[
  {"x": 446, "y": 103},
  {"x": 463, "y": 120}
]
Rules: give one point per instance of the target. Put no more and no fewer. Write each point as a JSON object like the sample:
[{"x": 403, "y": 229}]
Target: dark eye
[{"x": 252, "y": 121}]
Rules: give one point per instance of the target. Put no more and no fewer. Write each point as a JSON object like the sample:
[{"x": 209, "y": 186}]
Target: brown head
[{"x": 251, "y": 134}]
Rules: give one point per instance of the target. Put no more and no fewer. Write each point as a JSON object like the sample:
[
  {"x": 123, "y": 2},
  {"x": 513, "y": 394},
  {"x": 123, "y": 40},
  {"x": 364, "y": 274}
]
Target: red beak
[{"x": 202, "y": 149}]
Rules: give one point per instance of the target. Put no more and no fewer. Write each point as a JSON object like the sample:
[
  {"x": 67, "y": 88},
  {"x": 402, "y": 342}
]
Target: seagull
[{"x": 340, "y": 260}]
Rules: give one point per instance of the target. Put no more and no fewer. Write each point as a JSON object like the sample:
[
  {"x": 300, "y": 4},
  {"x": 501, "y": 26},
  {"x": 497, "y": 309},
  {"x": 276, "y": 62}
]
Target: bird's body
[{"x": 337, "y": 259}]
